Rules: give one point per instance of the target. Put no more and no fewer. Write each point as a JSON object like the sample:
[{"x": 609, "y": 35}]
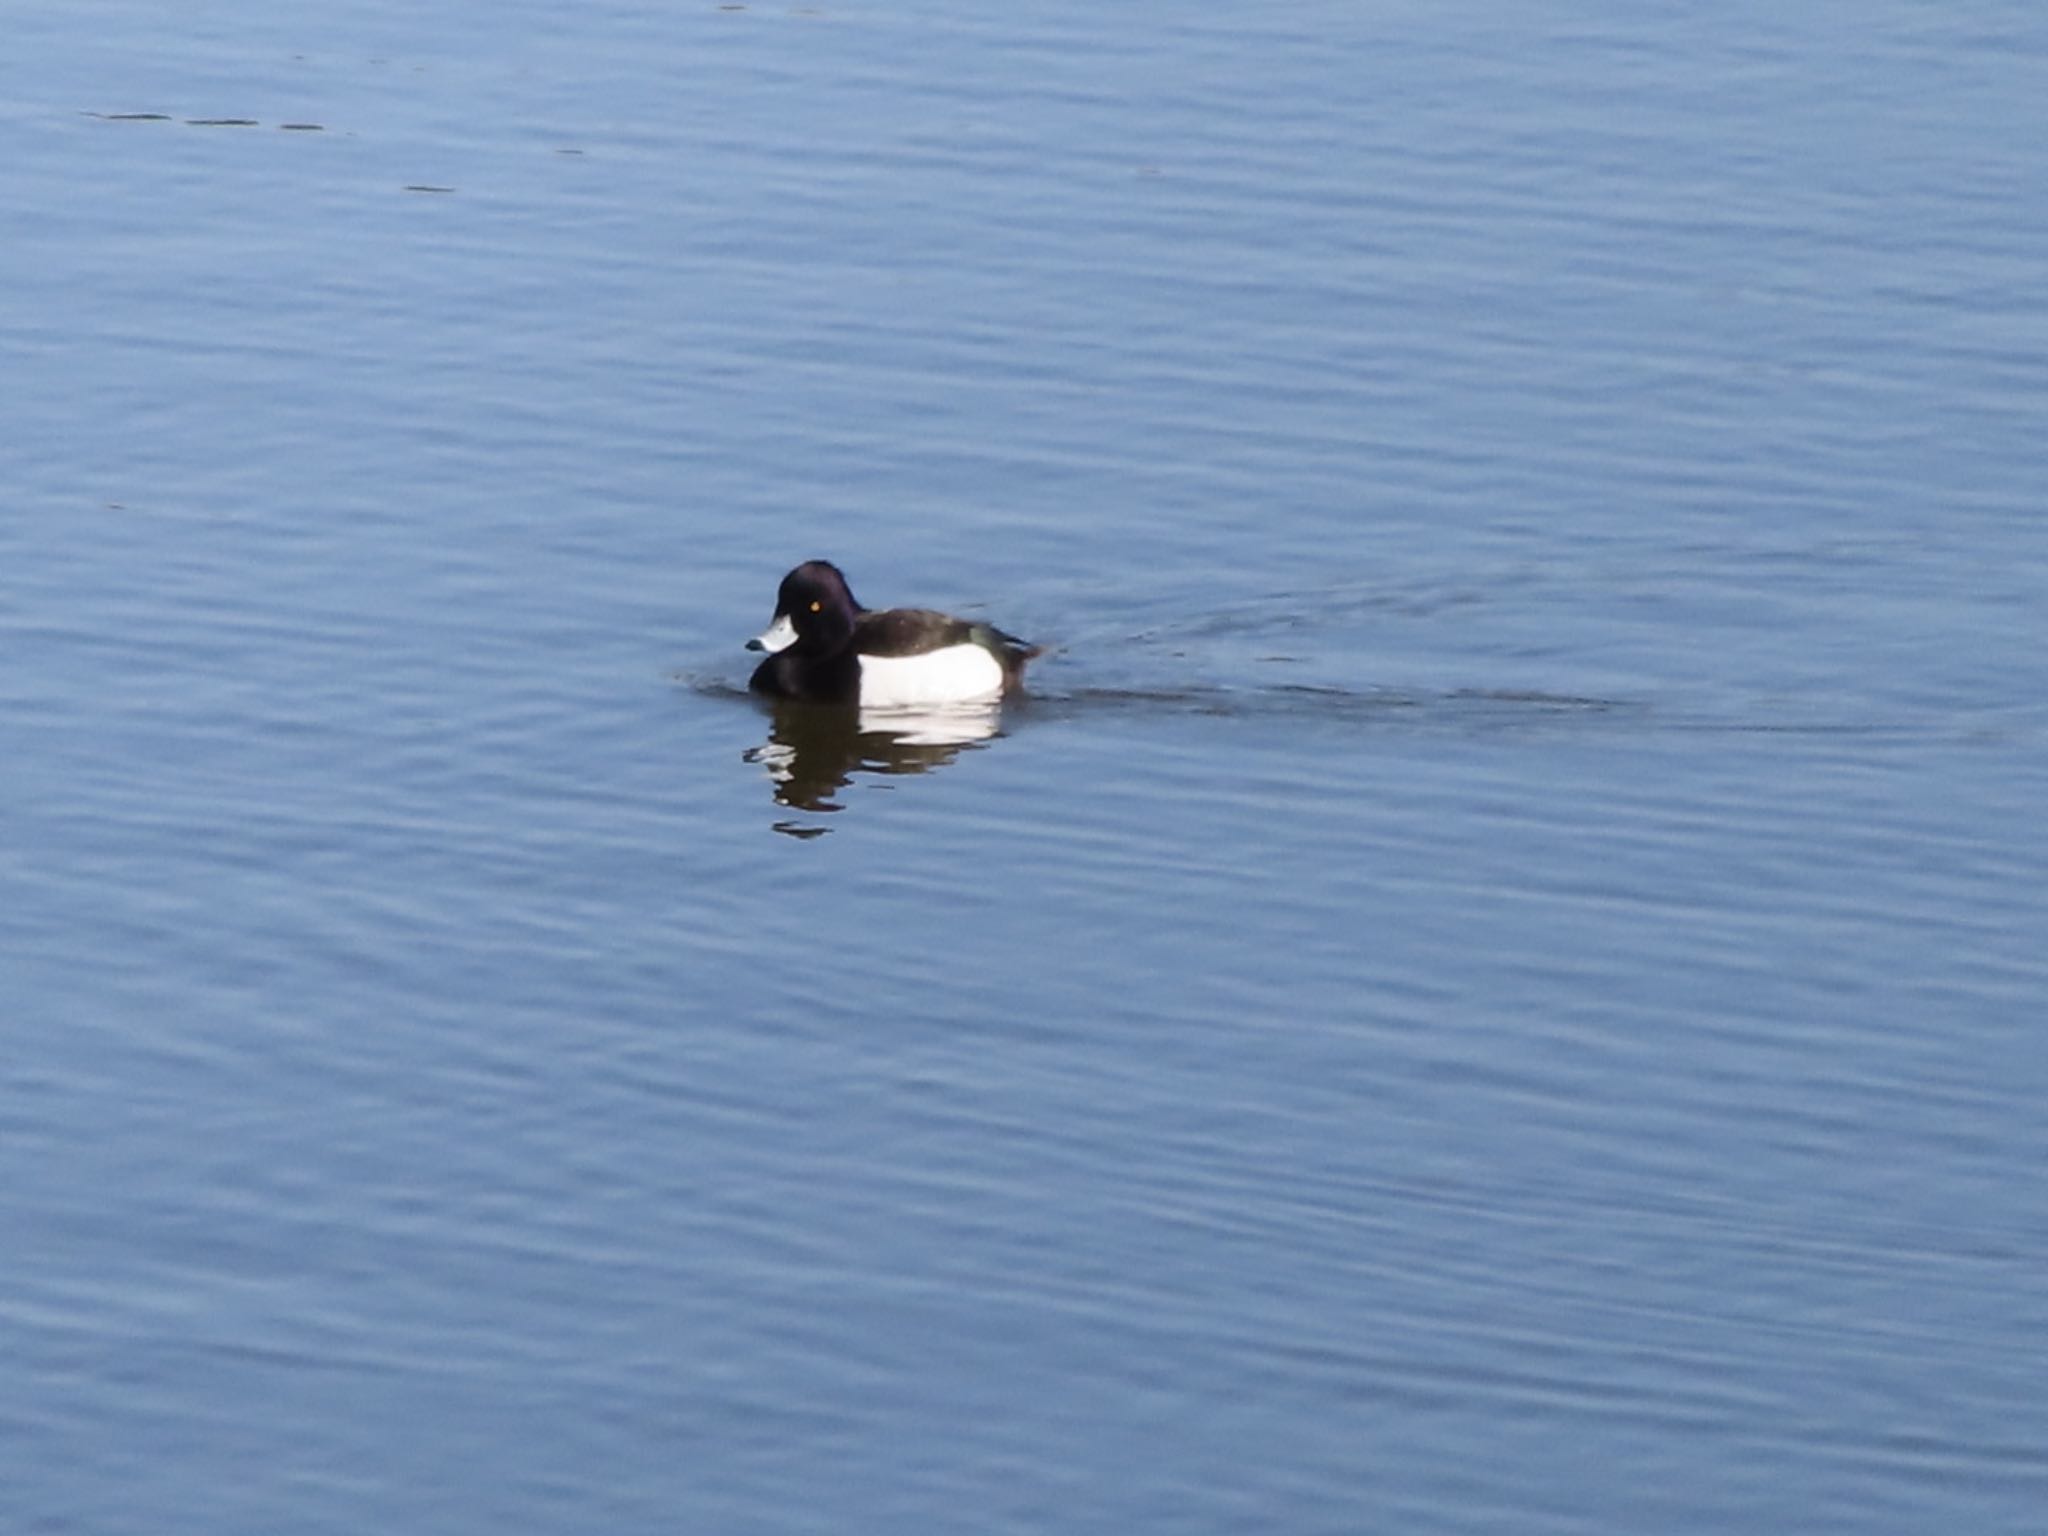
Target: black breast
[{"x": 820, "y": 679}]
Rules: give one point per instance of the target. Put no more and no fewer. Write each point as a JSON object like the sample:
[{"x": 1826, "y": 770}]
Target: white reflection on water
[{"x": 813, "y": 752}]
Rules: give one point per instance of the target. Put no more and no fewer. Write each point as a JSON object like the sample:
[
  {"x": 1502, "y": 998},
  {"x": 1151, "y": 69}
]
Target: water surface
[{"x": 1493, "y": 985}]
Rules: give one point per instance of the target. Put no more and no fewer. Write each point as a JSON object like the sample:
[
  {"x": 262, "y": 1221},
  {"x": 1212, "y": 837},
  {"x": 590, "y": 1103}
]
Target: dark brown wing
[{"x": 909, "y": 632}]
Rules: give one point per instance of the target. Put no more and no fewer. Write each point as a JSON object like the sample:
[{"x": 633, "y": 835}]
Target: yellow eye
[{"x": 816, "y": 606}]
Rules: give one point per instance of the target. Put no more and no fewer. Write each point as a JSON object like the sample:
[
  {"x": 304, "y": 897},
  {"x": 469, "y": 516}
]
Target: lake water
[{"x": 1495, "y": 985}]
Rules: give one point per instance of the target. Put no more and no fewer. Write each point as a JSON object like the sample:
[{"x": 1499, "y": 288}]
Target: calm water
[{"x": 1496, "y": 985}]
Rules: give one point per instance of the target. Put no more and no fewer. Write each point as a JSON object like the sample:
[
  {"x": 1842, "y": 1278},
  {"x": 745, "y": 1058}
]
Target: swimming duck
[{"x": 825, "y": 648}]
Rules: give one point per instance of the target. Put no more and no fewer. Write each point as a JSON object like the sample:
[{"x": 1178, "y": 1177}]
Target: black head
[{"x": 814, "y": 612}]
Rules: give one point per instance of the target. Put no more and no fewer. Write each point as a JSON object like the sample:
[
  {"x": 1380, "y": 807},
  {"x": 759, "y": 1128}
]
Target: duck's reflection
[{"x": 813, "y": 751}]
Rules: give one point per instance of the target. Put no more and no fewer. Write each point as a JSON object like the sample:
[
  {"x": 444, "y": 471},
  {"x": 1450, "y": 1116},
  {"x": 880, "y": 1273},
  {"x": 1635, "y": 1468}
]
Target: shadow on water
[
  {"x": 814, "y": 751},
  {"x": 1304, "y": 701}
]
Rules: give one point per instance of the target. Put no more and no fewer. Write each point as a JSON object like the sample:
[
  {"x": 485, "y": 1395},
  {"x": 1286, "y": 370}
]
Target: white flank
[
  {"x": 959, "y": 674},
  {"x": 779, "y": 636}
]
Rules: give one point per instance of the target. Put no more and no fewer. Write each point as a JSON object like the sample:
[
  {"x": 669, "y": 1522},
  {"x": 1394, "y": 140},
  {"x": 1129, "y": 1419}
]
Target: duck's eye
[{"x": 816, "y": 605}]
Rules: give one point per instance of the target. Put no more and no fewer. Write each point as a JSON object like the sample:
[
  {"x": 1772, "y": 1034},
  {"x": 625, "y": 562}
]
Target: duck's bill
[{"x": 779, "y": 636}]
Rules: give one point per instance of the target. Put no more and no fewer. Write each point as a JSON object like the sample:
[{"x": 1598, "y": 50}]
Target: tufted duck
[{"x": 826, "y": 648}]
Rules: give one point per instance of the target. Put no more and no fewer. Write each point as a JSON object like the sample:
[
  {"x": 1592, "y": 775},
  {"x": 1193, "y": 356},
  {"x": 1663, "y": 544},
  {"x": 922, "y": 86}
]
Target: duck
[{"x": 825, "y": 648}]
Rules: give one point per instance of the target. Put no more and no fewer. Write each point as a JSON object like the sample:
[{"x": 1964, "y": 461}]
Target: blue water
[{"x": 1494, "y": 985}]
